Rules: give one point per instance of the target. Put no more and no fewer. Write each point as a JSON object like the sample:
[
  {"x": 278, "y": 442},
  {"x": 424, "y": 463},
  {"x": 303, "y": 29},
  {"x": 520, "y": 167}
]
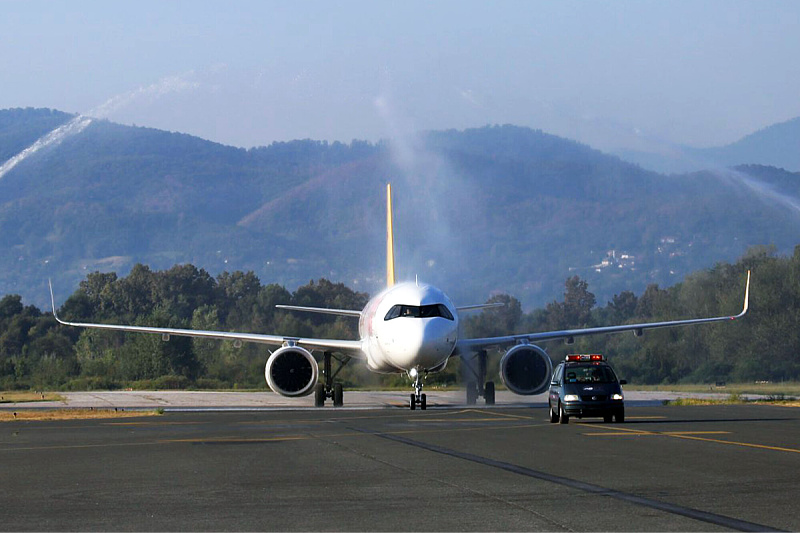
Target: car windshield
[{"x": 590, "y": 373}]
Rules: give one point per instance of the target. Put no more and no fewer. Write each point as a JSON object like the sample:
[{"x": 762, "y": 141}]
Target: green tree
[
  {"x": 496, "y": 321},
  {"x": 578, "y": 302}
]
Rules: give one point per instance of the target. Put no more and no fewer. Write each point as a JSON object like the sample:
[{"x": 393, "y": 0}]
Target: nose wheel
[{"x": 417, "y": 398}]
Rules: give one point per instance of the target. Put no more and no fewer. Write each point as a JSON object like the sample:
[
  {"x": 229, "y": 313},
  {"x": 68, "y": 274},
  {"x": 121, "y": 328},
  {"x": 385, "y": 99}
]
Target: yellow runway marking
[
  {"x": 498, "y": 415},
  {"x": 394, "y": 416},
  {"x": 153, "y": 423},
  {"x": 353, "y": 433},
  {"x": 460, "y": 420},
  {"x": 221, "y": 440},
  {"x": 745, "y": 444},
  {"x": 657, "y": 434},
  {"x": 689, "y": 435},
  {"x": 296, "y": 437},
  {"x": 76, "y": 446}
]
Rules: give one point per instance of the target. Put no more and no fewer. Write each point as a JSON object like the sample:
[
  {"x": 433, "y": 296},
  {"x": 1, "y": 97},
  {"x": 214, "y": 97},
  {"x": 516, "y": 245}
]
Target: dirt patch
[{"x": 70, "y": 414}]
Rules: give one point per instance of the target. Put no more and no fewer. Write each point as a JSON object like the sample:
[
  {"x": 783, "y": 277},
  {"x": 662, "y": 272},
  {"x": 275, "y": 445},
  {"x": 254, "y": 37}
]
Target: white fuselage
[{"x": 409, "y": 326}]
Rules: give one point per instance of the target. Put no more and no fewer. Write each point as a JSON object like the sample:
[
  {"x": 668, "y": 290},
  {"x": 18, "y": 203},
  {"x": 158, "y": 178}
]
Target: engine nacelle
[
  {"x": 291, "y": 371},
  {"x": 526, "y": 369}
]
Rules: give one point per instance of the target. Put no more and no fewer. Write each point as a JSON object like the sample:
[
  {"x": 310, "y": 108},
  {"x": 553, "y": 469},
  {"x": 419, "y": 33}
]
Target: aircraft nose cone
[{"x": 426, "y": 343}]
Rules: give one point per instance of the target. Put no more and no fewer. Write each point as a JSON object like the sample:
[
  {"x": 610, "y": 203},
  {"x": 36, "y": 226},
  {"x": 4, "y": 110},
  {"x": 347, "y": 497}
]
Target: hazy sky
[{"x": 245, "y": 73}]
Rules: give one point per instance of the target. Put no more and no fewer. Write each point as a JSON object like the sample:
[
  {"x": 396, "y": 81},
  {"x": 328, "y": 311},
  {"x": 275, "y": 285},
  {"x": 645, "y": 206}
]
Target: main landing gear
[
  {"x": 330, "y": 389},
  {"x": 417, "y": 398},
  {"x": 474, "y": 371}
]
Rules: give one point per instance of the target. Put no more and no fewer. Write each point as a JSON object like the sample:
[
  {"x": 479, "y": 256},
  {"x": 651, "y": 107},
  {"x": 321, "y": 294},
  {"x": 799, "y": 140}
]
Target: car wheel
[
  {"x": 620, "y": 416},
  {"x": 562, "y": 416},
  {"x": 607, "y": 418},
  {"x": 553, "y": 415}
]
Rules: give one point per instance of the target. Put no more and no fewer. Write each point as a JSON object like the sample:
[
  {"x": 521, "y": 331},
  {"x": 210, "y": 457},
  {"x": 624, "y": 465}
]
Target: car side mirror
[{"x": 623, "y": 382}]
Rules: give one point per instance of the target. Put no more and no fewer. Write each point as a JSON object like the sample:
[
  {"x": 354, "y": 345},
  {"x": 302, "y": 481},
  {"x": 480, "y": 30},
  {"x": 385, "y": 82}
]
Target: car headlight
[
  {"x": 571, "y": 398},
  {"x": 616, "y": 396}
]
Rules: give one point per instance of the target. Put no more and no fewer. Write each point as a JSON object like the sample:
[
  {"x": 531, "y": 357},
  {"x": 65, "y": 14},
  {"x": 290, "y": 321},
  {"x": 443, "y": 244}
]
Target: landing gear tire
[
  {"x": 553, "y": 415},
  {"x": 472, "y": 393},
  {"x": 488, "y": 393},
  {"x": 338, "y": 395},
  {"x": 413, "y": 402},
  {"x": 319, "y": 395},
  {"x": 620, "y": 416},
  {"x": 562, "y": 416},
  {"x": 423, "y": 404}
]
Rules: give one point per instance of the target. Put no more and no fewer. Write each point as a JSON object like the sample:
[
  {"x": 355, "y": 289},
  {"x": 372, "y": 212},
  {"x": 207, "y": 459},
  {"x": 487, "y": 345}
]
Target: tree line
[{"x": 36, "y": 352}]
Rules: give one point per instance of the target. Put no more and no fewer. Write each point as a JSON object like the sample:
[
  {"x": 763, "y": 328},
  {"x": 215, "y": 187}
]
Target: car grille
[{"x": 594, "y": 398}]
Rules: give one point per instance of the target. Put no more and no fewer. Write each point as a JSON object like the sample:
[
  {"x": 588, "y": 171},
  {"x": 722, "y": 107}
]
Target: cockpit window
[{"x": 419, "y": 311}]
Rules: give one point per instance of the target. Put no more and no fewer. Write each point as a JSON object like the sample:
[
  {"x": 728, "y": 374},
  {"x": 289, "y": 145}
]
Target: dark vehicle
[{"x": 583, "y": 386}]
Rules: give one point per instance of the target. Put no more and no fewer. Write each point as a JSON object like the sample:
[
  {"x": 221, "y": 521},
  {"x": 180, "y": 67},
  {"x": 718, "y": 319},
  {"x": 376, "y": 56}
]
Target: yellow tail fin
[{"x": 389, "y": 238}]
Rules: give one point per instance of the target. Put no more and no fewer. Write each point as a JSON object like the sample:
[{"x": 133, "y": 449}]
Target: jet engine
[
  {"x": 291, "y": 371},
  {"x": 526, "y": 369}
]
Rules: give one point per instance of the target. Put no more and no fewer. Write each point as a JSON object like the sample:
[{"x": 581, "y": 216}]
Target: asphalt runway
[
  {"x": 210, "y": 401},
  {"x": 456, "y": 469}
]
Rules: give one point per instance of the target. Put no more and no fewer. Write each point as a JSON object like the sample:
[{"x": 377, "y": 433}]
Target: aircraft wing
[
  {"x": 472, "y": 345},
  {"x": 324, "y": 310},
  {"x": 349, "y": 347},
  {"x": 479, "y": 307}
]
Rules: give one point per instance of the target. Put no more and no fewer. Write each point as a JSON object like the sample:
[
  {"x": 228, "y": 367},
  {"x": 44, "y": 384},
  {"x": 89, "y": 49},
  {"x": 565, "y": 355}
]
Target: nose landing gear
[{"x": 417, "y": 398}]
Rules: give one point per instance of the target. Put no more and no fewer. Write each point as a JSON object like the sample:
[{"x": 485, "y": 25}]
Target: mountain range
[
  {"x": 479, "y": 211},
  {"x": 777, "y": 145}
]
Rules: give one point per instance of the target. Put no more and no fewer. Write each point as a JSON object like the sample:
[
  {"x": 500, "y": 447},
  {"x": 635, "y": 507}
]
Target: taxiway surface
[
  {"x": 452, "y": 469},
  {"x": 206, "y": 400}
]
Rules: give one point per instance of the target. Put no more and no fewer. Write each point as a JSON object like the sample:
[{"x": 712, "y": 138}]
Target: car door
[{"x": 555, "y": 385}]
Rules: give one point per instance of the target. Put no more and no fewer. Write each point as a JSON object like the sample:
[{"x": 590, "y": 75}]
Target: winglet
[
  {"x": 390, "y": 279},
  {"x": 53, "y": 301},
  {"x": 746, "y": 297}
]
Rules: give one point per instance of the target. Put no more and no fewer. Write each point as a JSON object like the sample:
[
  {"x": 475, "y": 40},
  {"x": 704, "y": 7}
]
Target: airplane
[{"x": 410, "y": 328}]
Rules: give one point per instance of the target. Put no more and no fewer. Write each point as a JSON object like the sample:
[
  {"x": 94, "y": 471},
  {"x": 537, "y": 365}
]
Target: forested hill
[
  {"x": 499, "y": 208},
  {"x": 20, "y": 128}
]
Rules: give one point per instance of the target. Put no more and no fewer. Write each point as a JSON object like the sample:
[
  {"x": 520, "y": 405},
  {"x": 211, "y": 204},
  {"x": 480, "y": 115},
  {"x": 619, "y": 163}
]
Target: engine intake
[
  {"x": 291, "y": 371},
  {"x": 526, "y": 369}
]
